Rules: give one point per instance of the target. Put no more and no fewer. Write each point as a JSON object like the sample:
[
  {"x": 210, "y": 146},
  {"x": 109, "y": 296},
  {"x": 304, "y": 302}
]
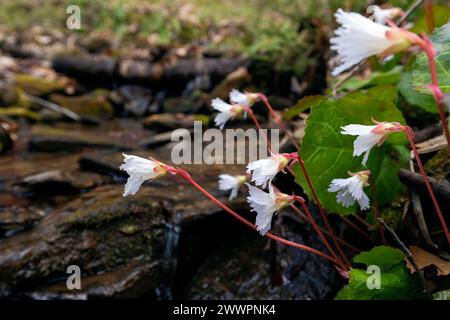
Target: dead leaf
[{"x": 424, "y": 259}]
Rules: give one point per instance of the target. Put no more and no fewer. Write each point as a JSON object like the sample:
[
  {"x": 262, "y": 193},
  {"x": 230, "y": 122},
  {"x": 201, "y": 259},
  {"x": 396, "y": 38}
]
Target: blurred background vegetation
[{"x": 277, "y": 31}]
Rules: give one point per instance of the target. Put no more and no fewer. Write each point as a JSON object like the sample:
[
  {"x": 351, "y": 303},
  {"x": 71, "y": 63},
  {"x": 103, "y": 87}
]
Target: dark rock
[
  {"x": 157, "y": 140},
  {"x": 177, "y": 105},
  {"x": 170, "y": 121},
  {"x": 96, "y": 69},
  {"x": 136, "y": 99},
  {"x": 87, "y": 232},
  {"x": 59, "y": 182},
  {"x": 105, "y": 163},
  {"x": 18, "y": 219},
  {"x": 233, "y": 262},
  {"x": 50, "y": 139}
]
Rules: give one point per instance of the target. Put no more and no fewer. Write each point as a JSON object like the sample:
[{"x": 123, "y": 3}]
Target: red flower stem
[
  {"x": 189, "y": 179},
  {"x": 324, "y": 218},
  {"x": 319, "y": 232},
  {"x": 410, "y": 134},
  {"x": 252, "y": 115},
  {"x": 427, "y": 47},
  {"x": 376, "y": 209},
  {"x": 279, "y": 121},
  {"x": 354, "y": 226},
  {"x": 319, "y": 206},
  {"x": 342, "y": 241}
]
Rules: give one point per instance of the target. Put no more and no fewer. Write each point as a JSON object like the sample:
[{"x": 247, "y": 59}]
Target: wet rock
[
  {"x": 181, "y": 105},
  {"x": 49, "y": 139},
  {"x": 168, "y": 121},
  {"x": 136, "y": 100},
  {"x": 38, "y": 86},
  {"x": 14, "y": 167},
  {"x": 18, "y": 219},
  {"x": 157, "y": 140},
  {"x": 59, "y": 182},
  {"x": 88, "y": 105},
  {"x": 248, "y": 266},
  {"x": 87, "y": 232}
]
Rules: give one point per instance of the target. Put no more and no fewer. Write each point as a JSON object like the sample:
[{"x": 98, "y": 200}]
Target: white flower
[
  {"x": 229, "y": 182},
  {"x": 246, "y": 99},
  {"x": 380, "y": 15},
  {"x": 264, "y": 170},
  {"x": 359, "y": 38},
  {"x": 350, "y": 190},
  {"x": 266, "y": 205},
  {"x": 369, "y": 136},
  {"x": 140, "y": 170},
  {"x": 226, "y": 111}
]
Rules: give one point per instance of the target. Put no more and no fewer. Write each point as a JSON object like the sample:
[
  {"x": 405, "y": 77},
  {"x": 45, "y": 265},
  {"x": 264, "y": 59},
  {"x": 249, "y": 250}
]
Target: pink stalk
[
  {"x": 319, "y": 232},
  {"x": 342, "y": 241},
  {"x": 184, "y": 174},
  {"x": 253, "y": 117},
  {"x": 410, "y": 134},
  {"x": 297, "y": 158},
  {"x": 279, "y": 121},
  {"x": 358, "y": 229},
  {"x": 319, "y": 206},
  {"x": 430, "y": 52}
]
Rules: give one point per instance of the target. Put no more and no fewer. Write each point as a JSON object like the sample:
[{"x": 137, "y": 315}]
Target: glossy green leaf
[
  {"x": 327, "y": 153},
  {"x": 376, "y": 78},
  {"x": 441, "y": 16},
  {"x": 414, "y": 97},
  {"x": 421, "y": 74},
  {"x": 302, "y": 105},
  {"x": 387, "y": 265},
  {"x": 382, "y": 256}
]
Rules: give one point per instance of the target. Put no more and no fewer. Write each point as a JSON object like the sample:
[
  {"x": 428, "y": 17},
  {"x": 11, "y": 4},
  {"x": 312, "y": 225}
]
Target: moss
[
  {"x": 392, "y": 214},
  {"x": 38, "y": 86},
  {"x": 92, "y": 105},
  {"x": 20, "y": 112},
  {"x": 439, "y": 165}
]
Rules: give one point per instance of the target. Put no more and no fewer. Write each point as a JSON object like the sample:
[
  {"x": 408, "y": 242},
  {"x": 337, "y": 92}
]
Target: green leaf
[
  {"x": 395, "y": 284},
  {"x": 301, "y": 106},
  {"x": 441, "y": 16},
  {"x": 396, "y": 281},
  {"x": 327, "y": 153},
  {"x": 421, "y": 74},
  {"x": 414, "y": 97},
  {"x": 376, "y": 78},
  {"x": 382, "y": 256}
]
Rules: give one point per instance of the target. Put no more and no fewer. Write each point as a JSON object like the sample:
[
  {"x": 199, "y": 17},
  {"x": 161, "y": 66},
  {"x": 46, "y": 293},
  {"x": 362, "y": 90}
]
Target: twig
[
  {"x": 408, "y": 12},
  {"x": 408, "y": 254},
  {"x": 376, "y": 208},
  {"x": 418, "y": 211},
  {"x": 53, "y": 106}
]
